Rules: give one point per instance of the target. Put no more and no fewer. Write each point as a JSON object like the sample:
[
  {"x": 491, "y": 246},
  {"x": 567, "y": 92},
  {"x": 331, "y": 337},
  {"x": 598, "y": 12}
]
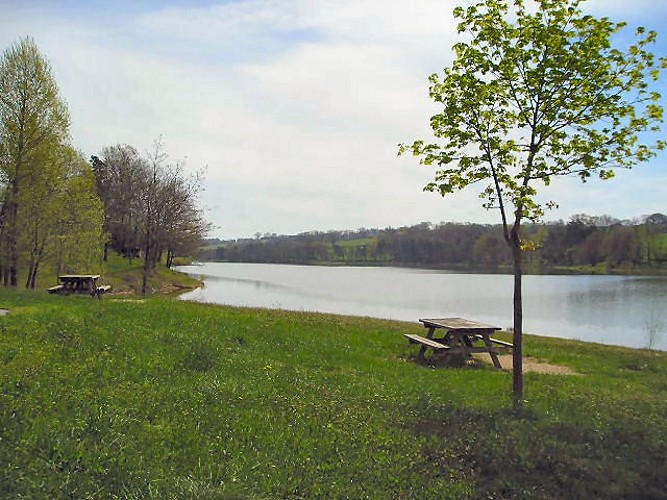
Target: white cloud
[
  {"x": 297, "y": 106},
  {"x": 216, "y": 23}
]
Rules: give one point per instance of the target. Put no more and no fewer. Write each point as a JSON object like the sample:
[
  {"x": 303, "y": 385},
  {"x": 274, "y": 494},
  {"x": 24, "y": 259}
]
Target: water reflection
[{"x": 607, "y": 309}]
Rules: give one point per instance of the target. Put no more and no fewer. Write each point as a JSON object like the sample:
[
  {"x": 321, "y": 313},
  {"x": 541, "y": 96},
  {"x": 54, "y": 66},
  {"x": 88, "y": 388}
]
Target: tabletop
[
  {"x": 457, "y": 324},
  {"x": 78, "y": 276}
]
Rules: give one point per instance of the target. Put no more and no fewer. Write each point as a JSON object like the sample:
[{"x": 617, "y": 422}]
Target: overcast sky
[{"x": 295, "y": 107}]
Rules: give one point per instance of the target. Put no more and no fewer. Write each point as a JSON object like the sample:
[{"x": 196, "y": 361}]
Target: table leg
[
  {"x": 492, "y": 350},
  {"x": 464, "y": 340},
  {"x": 422, "y": 350}
]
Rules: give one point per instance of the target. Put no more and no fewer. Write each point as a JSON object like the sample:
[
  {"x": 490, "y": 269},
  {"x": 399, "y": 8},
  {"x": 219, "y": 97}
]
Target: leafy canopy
[
  {"x": 32, "y": 114},
  {"x": 539, "y": 91}
]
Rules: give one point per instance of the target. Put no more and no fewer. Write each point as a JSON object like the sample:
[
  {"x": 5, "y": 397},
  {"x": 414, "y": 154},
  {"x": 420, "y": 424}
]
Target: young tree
[
  {"x": 79, "y": 234},
  {"x": 537, "y": 92},
  {"x": 33, "y": 121},
  {"x": 62, "y": 218},
  {"x": 41, "y": 209}
]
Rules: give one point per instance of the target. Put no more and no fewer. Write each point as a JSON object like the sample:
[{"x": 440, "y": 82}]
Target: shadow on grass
[
  {"x": 444, "y": 360},
  {"x": 506, "y": 454}
]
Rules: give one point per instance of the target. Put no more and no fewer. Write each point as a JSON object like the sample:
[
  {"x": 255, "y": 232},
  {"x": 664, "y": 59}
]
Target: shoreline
[{"x": 501, "y": 270}]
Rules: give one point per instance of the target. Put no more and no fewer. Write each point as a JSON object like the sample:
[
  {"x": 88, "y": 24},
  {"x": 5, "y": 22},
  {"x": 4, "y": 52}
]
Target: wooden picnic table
[
  {"x": 461, "y": 336},
  {"x": 79, "y": 283}
]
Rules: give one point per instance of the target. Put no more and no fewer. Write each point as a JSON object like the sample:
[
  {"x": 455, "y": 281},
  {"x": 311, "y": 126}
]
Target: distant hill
[{"x": 584, "y": 244}]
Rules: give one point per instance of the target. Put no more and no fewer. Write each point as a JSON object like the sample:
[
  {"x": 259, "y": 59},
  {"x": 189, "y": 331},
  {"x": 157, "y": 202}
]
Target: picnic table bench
[
  {"x": 79, "y": 284},
  {"x": 461, "y": 337}
]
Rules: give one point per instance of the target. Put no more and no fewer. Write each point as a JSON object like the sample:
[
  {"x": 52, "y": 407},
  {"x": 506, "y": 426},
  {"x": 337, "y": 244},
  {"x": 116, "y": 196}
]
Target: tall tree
[
  {"x": 537, "y": 91},
  {"x": 170, "y": 217},
  {"x": 41, "y": 209},
  {"x": 121, "y": 175},
  {"x": 33, "y": 121}
]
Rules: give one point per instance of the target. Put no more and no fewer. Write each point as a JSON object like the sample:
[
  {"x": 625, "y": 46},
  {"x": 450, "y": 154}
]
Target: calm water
[{"x": 608, "y": 309}]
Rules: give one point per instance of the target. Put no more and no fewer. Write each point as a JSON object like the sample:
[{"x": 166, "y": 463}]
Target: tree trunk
[
  {"x": 30, "y": 271},
  {"x": 33, "y": 279},
  {"x": 147, "y": 267},
  {"x": 517, "y": 356},
  {"x": 13, "y": 273},
  {"x": 144, "y": 276},
  {"x": 12, "y": 242}
]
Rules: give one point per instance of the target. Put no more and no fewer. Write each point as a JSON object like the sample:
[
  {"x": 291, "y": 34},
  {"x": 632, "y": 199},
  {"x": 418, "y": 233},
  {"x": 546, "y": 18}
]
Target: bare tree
[{"x": 151, "y": 205}]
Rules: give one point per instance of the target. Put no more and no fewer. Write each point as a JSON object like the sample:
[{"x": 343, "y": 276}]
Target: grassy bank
[
  {"x": 166, "y": 399},
  {"x": 125, "y": 277}
]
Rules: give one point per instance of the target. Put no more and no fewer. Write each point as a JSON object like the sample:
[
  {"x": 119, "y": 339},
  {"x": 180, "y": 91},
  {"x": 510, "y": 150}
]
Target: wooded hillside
[{"x": 599, "y": 243}]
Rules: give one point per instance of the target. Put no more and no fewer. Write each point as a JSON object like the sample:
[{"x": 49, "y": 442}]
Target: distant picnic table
[
  {"x": 79, "y": 284},
  {"x": 461, "y": 336}
]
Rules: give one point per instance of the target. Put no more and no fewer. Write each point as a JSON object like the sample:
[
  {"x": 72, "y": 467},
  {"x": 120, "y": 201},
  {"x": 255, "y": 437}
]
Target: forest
[
  {"x": 62, "y": 213},
  {"x": 584, "y": 243}
]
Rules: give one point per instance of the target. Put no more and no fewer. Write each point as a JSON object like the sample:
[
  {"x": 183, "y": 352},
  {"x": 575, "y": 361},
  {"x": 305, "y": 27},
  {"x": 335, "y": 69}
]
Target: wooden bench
[
  {"x": 502, "y": 346},
  {"x": 502, "y": 343},
  {"x": 55, "y": 289},
  {"x": 99, "y": 290},
  {"x": 418, "y": 339}
]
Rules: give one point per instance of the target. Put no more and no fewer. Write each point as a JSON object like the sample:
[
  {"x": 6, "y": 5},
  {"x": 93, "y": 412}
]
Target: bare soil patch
[{"x": 533, "y": 365}]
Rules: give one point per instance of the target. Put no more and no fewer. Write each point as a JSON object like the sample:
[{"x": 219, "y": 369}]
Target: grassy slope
[
  {"x": 166, "y": 399},
  {"x": 125, "y": 277}
]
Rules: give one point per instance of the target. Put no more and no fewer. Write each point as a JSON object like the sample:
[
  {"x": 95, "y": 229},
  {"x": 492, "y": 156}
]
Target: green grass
[
  {"x": 124, "y": 276},
  {"x": 167, "y": 399},
  {"x": 359, "y": 242}
]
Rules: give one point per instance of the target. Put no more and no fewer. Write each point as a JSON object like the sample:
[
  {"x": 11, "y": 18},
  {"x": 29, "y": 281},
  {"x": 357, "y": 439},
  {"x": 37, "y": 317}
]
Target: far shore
[{"x": 598, "y": 270}]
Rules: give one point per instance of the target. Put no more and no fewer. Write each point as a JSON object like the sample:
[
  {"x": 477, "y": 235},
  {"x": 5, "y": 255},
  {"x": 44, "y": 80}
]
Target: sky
[{"x": 294, "y": 108}]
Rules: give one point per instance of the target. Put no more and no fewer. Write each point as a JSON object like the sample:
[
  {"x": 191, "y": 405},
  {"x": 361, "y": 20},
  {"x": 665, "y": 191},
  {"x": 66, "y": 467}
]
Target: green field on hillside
[{"x": 122, "y": 398}]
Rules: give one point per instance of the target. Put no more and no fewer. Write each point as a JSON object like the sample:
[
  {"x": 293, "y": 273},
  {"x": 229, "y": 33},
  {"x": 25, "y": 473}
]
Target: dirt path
[{"x": 533, "y": 365}]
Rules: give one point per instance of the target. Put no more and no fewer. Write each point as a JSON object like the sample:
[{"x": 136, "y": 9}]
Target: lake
[{"x": 617, "y": 310}]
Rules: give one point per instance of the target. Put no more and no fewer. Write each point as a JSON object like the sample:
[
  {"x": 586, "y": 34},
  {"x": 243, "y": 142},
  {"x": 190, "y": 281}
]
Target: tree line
[
  {"x": 151, "y": 206},
  {"x": 583, "y": 240},
  {"x": 58, "y": 210}
]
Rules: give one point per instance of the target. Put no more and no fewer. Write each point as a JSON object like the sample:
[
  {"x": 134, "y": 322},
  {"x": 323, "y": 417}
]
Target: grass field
[{"x": 168, "y": 399}]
